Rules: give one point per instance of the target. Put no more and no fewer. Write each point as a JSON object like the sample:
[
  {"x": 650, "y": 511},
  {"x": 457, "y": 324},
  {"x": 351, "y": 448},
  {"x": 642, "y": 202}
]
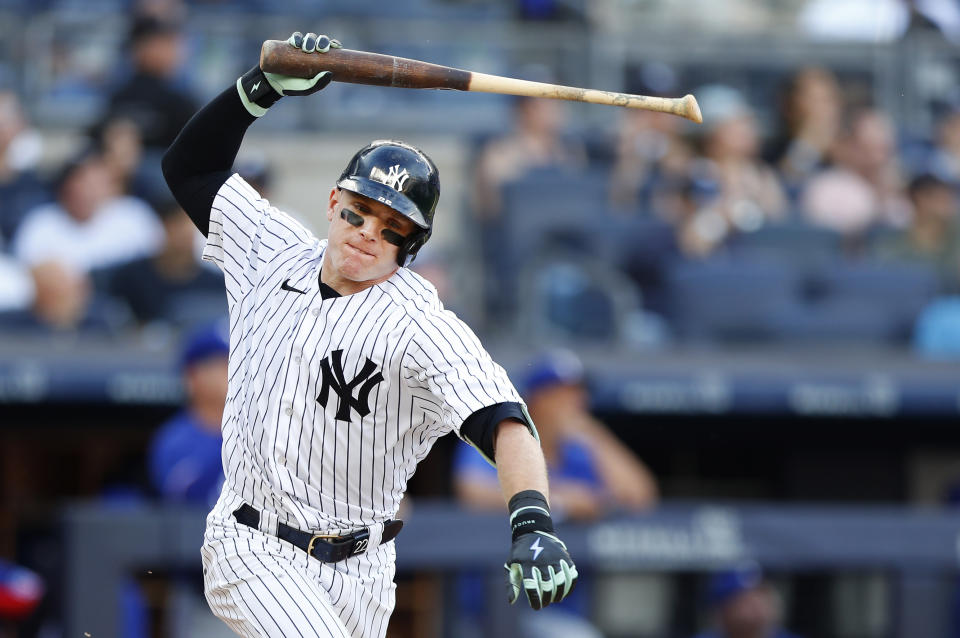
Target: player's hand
[
  {"x": 540, "y": 566},
  {"x": 259, "y": 90},
  {"x": 310, "y": 43}
]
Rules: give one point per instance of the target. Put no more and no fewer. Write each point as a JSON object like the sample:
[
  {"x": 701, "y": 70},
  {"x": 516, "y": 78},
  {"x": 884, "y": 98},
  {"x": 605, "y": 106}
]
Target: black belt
[{"x": 326, "y": 548}]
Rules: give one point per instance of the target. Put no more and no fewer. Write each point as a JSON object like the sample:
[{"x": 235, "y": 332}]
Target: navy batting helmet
[{"x": 402, "y": 177}]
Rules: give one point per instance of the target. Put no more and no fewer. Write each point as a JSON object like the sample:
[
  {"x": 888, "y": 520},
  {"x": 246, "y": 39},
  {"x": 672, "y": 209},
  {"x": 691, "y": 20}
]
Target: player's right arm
[
  {"x": 520, "y": 462},
  {"x": 199, "y": 161},
  {"x": 539, "y": 564}
]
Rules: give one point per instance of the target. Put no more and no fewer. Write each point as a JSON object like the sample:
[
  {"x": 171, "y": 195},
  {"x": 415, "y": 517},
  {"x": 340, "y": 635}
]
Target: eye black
[
  {"x": 392, "y": 237},
  {"x": 351, "y": 217}
]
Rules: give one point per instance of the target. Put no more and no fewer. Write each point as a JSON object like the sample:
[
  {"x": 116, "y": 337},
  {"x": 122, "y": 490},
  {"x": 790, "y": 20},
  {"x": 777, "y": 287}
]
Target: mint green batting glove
[
  {"x": 539, "y": 564},
  {"x": 260, "y": 90}
]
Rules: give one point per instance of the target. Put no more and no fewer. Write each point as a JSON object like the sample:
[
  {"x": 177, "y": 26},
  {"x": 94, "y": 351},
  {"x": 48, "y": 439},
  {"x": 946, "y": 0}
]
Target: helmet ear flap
[{"x": 411, "y": 247}]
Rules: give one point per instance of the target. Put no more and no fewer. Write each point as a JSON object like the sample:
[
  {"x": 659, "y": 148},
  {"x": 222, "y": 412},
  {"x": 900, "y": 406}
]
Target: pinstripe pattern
[
  {"x": 285, "y": 452},
  {"x": 262, "y": 586}
]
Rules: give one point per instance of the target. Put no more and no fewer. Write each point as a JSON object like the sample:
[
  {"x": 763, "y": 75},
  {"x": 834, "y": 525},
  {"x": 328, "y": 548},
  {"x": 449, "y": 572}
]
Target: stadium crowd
[
  {"x": 833, "y": 201},
  {"x": 828, "y": 198}
]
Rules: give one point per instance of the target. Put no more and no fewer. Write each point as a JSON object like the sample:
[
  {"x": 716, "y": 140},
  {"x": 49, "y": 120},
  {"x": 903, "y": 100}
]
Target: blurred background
[{"x": 739, "y": 340}]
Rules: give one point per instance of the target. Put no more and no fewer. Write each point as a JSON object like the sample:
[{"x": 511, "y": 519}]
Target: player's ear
[{"x": 334, "y": 198}]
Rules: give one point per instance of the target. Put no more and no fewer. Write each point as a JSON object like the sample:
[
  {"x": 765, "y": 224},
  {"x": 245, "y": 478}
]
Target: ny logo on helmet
[{"x": 394, "y": 178}]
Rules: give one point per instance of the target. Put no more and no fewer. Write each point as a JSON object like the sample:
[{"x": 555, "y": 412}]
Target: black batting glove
[
  {"x": 260, "y": 90},
  {"x": 539, "y": 563}
]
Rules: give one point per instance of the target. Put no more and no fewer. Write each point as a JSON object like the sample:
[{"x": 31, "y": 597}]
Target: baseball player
[{"x": 344, "y": 369}]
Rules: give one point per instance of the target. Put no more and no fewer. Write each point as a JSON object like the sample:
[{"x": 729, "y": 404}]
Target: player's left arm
[
  {"x": 539, "y": 563},
  {"x": 200, "y": 160}
]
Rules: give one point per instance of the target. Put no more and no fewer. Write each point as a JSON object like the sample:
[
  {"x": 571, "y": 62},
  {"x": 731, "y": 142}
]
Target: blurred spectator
[
  {"x": 864, "y": 189},
  {"x": 61, "y": 296},
  {"x": 90, "y": 225},
  {"x": 699, "y": 228},
  {"x": 933, "y": 235},
  {"x": 184, "y": 455},
  {"x": 20, "y": 148},
  {"x": 744, "y": 605},
  {"x": 120, "y": 143},
  {"x": 592, "y": 473},
  {"x": 810, "y": 111},
  {"x": 59, "y": 244},
  {"x": 538, "y": 140},
  {"x": 151, "y": 98},
  {"x": 738, "y": 191},
  {"x": 650, "y": 148},
  {"x": 46, "y": 293},
  {"x": 173, "y": 285}
]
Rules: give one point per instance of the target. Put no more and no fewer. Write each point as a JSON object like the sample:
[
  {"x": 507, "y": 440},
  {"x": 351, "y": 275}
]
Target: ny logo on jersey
[
  {"x": 332, "y": 371},
  {"x": 395, "y": 178}
]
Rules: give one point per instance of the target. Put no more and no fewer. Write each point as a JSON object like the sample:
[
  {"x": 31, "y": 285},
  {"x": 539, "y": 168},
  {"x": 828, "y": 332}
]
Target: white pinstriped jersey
[{"x": 333, "y": 402}]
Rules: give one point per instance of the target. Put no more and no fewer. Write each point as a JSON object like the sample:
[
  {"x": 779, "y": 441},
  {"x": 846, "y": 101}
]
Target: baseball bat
[{"x": 361, "y": 67}]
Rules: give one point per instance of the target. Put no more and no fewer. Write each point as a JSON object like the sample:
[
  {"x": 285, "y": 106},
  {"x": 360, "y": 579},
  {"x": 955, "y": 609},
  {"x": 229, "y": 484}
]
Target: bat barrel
[{"x": 684, "y": 107}]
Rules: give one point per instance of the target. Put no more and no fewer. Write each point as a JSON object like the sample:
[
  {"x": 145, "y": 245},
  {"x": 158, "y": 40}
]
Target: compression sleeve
[
  {"x": 201, "y": 159},
  {"x": 480, "y": 427}
]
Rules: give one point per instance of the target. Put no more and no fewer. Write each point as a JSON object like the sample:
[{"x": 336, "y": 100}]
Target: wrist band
[
  {"x": 529, "y": 512},
  {"x": 254, "y": 85}
]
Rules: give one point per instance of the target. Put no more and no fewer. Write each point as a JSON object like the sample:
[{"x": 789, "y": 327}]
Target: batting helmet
[{"x": 402, "y": 177}]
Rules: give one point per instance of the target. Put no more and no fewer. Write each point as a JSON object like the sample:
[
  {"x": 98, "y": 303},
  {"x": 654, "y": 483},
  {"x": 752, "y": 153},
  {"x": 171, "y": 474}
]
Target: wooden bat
[{"x": 361, "y": 67}]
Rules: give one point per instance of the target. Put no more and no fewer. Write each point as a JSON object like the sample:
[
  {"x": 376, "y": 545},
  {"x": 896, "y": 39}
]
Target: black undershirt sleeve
[
  {"x": 481, "y": 426},
  {"x": 201, "y": 159}
]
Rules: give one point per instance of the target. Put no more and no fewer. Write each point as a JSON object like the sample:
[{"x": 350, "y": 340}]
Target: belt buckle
[{"x": 317, "y": 537}]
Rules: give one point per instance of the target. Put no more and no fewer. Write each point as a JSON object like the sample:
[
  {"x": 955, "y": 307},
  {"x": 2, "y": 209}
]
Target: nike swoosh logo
[
  {"x": 286, "y": 286},
  {"x": 255, "y": 87}
]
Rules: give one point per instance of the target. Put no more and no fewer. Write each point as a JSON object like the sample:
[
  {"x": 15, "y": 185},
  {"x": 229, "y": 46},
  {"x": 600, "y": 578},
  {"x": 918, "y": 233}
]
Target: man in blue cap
[
  {"x": 185, "y": 464},
  {"x": 592, "y": 474},
  {"x": 745, "y": 605}
]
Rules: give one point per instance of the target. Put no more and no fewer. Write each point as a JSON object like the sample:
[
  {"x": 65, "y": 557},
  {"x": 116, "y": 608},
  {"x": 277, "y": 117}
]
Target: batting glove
[
  {"x": 259, "y": 90},
  {"x": 539, "y": 563}
]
